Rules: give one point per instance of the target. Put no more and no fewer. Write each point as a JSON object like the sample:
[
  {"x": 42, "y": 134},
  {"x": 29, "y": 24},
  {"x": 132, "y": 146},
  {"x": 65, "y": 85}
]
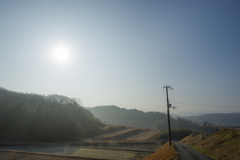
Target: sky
[{"x": 124, "y": 52}]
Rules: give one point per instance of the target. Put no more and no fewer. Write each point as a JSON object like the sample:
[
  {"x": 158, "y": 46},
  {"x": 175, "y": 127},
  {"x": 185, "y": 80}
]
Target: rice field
[
  {"x": 127, "y": 144},
  {"x": 80, "y": 151}
]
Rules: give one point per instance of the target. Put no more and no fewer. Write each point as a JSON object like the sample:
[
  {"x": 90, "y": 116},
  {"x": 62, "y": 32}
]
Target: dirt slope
[{"x": 166, "y": 152}]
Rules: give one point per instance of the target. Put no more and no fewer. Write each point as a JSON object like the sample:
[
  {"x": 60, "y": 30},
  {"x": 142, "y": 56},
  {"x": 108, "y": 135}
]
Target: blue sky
[{"x": 123, "y": 52}]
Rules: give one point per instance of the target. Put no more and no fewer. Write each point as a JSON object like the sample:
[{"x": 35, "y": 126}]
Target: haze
[{"x": 123, "y": 52}]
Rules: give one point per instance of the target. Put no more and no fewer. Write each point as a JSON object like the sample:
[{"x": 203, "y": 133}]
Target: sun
[{"x": 61, "y": 53}]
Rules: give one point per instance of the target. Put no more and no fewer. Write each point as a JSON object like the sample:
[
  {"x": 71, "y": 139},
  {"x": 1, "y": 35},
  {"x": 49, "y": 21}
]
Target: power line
[{"x": 202, "y": 104}]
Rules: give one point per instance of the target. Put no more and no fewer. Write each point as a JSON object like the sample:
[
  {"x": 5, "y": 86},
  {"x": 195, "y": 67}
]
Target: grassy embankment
[
  {"x": 166, "y": 152},
  {"x": 222, "y": 145}
]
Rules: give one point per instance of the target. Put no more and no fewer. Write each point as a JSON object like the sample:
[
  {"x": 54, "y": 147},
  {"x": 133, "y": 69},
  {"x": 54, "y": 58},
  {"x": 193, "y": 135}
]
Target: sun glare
[{"x": 61, "y": 53}]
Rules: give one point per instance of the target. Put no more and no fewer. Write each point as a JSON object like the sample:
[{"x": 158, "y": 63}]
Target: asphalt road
[{"x": 187, "y": 153}]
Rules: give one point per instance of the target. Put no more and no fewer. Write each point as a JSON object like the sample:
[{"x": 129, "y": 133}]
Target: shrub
[{"x": 177, "y": 134}]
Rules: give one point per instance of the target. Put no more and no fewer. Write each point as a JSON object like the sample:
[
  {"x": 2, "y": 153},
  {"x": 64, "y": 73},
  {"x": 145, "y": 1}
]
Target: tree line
[{"x": 32, "y": 117}]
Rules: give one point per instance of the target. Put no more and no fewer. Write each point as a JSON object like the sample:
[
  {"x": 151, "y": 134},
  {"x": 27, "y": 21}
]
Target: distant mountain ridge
[
  {"x": 139, "y": 119},
  {"x": 217, "y": 118},
  {"x": 130, "y": 117}
]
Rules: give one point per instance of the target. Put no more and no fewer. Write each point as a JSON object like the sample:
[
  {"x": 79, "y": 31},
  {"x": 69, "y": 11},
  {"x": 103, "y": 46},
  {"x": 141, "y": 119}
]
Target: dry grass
[
  {"x": 222, "y": 145},
  {"x": 153, "y": 136},
  {"x": 192, "y": 140},
  {"x": 118, "y": 133},
  {"x": 166, "y": 152},
  {"x": 104, "y": 153},
  {"x": 147, "y": 134}
]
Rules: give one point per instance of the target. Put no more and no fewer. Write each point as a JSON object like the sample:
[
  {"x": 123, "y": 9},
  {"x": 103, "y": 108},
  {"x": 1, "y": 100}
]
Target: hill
[
  {"x": 121, "y": 116},
  {"x": 224, "y": 144},
  {"x": 139, "y": 119},
  {"x": 227, "y": 119},
  {"x": 32, "y": 117}
]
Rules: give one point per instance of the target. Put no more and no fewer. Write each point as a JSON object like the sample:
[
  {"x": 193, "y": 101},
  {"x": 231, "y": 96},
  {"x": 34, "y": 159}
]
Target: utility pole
[{"x": 168, "y": 106}]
